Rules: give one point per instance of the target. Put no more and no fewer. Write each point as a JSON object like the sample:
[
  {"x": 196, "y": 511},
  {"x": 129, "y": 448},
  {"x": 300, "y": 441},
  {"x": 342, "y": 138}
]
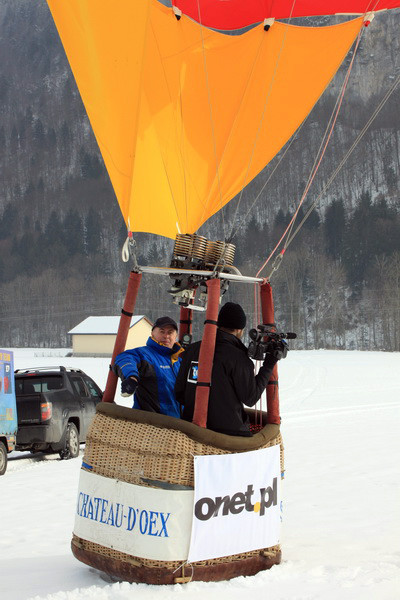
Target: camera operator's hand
[
  {"x": 128, "y": 387},
  {"x": 277, "y": 349},
  {"x": 282, "y": 349}
]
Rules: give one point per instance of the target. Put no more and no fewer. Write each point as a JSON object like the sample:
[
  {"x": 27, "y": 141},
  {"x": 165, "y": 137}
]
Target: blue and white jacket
[{"x": 156, "y": 367}]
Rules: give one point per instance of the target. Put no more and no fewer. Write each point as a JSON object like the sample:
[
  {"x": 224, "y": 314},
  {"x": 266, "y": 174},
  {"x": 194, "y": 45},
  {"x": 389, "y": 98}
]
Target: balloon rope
[
  {"x": 345, "y": 158},
  {"x": 335, "y": 111},
  {"x": 320, "y": 154},
  {"x": 328, "y": 132}
]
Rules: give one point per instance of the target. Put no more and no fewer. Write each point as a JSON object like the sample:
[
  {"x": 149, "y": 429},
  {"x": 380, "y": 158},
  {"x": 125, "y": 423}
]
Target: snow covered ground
[{"x": 341, "y": 529}]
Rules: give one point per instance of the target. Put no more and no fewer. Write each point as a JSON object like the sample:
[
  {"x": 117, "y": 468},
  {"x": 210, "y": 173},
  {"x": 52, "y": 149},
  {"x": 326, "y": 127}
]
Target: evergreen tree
[
  {"x": 381, "y": 210},
  {"x": 52, "y": 230},
  {"x": 280, "y": 219},
  {"x": 373, "y": 230},
  {"x": 27, "y": 251},
  {"x": 51, "y": 139},
  {"x": 28, "y": 119},
  {"x": 22, "y": 133},
  {"x": 334, "y": 229},
  {"x": 73, "y": 233},
  {"x": 357, "y": 240},
  {"x": 253, "y": 239},
  {"x": 2, "y": 139},
  {"x": 93, "y": 229},
  {"x": 39, "y": 133},
  {"x": 91, "y": 167},
  {"x": 313, "y": 221},
  {"x": 40, "y": 186},
  {"x": 29, "y": 192},
  {"x": 8, "y": 221},
  {"x": 4, "y": 89},
  {"x": 53, "y": 248},
  {"x": 65, "y": 135},
  {"x": 14, "y": 141}
]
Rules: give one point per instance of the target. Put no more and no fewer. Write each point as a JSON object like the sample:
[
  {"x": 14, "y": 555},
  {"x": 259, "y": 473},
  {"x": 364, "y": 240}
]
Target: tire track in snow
[
  {"x": 320, "y": 412},
  {"x": 27, "y": 461}
]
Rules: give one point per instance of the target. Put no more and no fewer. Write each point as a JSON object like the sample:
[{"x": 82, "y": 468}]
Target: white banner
[
  {"x": 140, "y": 521},
  {"x": 236, "y": 504}
]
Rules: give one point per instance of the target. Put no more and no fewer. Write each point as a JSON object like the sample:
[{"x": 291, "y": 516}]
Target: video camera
[{"x": 266, "y": 339}]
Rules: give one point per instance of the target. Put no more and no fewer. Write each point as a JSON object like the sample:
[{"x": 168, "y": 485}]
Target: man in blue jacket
[{"x": 150, "y": 371}]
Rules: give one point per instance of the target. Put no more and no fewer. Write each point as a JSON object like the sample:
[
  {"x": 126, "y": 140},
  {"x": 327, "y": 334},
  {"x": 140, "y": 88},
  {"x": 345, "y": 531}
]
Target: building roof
[{"x": 103, "y": 325}]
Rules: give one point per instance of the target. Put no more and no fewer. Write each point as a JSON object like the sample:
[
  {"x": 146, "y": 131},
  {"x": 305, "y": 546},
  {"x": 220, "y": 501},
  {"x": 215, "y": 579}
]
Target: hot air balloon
[{"x": 186, "y": 114}]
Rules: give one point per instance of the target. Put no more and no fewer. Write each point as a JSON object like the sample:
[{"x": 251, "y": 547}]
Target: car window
[
  {"x": 78, "y": 385},
  {"x": 37, "y": 385},
  {"x": 52, "y": 383},
  {"x": 93, "y": 390}
]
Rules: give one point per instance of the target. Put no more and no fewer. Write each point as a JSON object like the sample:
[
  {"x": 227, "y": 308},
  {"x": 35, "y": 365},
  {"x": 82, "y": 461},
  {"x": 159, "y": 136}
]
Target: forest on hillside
[
  {"x": 338, "y": 285},
  {"x": 61, "y": 230}
]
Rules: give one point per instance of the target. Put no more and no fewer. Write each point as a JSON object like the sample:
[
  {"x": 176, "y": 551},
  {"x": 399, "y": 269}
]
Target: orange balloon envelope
[{"x": 185, "y": 116}]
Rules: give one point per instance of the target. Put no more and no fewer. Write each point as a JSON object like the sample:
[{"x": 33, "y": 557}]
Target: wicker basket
[{"x": 140, "y": 447}]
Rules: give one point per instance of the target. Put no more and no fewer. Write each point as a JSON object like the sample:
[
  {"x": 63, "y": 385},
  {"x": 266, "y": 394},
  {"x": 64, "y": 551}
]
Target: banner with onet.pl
[
  {"x": 236, "y": 504},
  {"x": 140, "y": 521}
]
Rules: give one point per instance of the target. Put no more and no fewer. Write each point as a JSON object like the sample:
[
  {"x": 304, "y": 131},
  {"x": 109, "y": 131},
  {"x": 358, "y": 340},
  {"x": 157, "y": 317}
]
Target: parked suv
[{"x": 55, "y": 406}]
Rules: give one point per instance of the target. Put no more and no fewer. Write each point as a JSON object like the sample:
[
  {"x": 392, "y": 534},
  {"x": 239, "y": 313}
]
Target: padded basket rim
[{"x": 196, "y": 433}]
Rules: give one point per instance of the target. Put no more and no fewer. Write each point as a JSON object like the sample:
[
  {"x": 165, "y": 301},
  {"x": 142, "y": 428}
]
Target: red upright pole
[
  {"x": 268, "y": 318},
  {"x": 206, "y": 355},
  {"x": 123, "y": 329}
]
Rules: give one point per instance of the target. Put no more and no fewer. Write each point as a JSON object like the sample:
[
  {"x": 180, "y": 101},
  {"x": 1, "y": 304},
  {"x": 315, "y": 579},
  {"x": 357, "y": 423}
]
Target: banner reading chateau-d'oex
[
  {"x": 141, "y": 521},
  {"x": 234, "y": 508}
]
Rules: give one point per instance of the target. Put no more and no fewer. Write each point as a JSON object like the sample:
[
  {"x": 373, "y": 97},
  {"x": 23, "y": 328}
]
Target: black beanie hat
[{"x": 232, "y": 316}]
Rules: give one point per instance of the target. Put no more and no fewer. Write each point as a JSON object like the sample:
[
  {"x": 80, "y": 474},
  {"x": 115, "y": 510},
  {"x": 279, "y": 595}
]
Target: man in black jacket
[{"x": 233, "y": 382}]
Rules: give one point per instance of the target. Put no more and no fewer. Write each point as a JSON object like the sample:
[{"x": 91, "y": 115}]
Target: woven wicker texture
[
  {"x": 130, "y": 451},
  {"x": 115, "y": 554}
]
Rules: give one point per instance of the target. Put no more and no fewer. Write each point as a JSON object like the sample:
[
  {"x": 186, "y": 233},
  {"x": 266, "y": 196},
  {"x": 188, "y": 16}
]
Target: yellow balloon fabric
[
  {"x": 104, "y": 43},
  {"x": 185, "y": 117}
]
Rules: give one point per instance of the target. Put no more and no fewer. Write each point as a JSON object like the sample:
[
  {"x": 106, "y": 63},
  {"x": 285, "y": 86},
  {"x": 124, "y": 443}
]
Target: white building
[{"x": 95, "y": 336}]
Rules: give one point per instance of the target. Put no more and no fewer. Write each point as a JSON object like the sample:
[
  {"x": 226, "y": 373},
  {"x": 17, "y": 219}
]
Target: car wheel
[
  {"x": 3, "y": 458},
  {"x": 71, "y": 448}
]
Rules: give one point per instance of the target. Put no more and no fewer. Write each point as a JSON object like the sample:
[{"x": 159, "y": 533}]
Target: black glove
[
  {"x": 277, "y": 350},
  {"x": 128, "y": 387}
]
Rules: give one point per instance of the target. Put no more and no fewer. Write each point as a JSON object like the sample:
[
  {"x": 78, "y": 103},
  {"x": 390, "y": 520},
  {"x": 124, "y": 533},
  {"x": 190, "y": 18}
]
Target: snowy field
[{"x": 341, "y": 529}]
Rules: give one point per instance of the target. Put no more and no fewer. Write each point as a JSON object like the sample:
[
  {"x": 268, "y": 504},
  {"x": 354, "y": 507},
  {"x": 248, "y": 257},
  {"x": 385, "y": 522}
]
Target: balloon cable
[
  {"x": 343, "y": 161},
  {"x": 317, "y": 162}
]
